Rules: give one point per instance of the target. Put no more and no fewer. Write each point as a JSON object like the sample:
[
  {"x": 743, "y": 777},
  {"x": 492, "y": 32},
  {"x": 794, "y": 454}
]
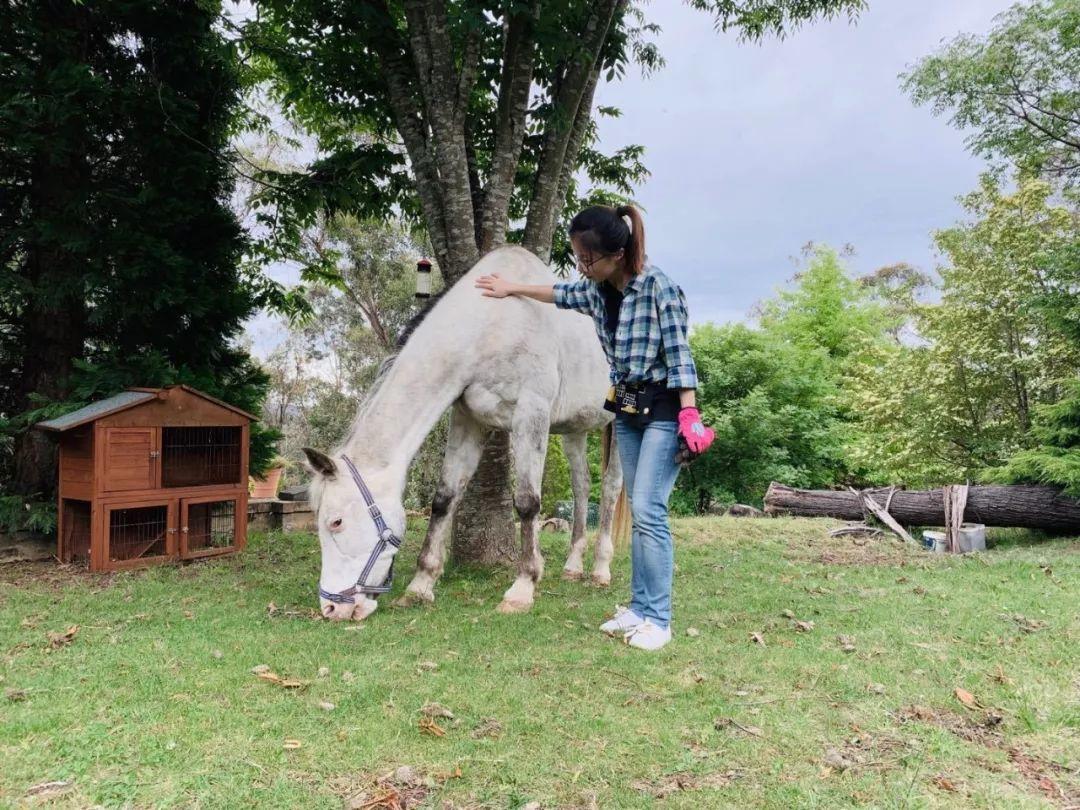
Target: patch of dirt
[
  {"x": 1038, "y": 772},
  {"x": 678, "y": 782},
  {"x": 1043, "y": 775},
  {"x": 400, "y": 789},
  {"x": 57, "y": 576},
  {"x": 851, "y": 550},
  {"x": 985, "y": 732},
  {"x": 865, "y": 750}
]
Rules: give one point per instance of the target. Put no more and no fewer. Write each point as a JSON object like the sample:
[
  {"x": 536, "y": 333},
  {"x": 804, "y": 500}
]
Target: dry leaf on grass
[
  {"x": 758, "y": 638},
  {"x": 944, "y": 783},
  {"x": 326, "y": 706},
  {"x": 429, "y": 726},
  {"x": 58, "y": 640},
  {"x": 804, "y": 627},
  {"x": 284, "y": 683},
  {"x": 292, "y": 745},
  {"x": 693, "y": 632},
  {"x": 965, "y": 697},
  {"x": 15, "y": 695}
]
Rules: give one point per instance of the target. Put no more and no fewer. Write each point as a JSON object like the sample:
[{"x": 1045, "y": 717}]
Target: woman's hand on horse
[{"x": 493, "y": 286}]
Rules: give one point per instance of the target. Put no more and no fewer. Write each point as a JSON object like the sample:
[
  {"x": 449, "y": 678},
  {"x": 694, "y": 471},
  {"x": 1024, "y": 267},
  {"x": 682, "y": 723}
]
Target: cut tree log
[{"x": 1031, "y": 507}]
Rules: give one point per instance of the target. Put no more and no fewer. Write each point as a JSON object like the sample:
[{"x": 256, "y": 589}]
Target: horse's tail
[{"x": 622, "y": 520}]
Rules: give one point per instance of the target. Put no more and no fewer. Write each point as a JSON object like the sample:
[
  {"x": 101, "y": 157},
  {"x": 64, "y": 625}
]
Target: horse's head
[{"x": 358, "y": 539}]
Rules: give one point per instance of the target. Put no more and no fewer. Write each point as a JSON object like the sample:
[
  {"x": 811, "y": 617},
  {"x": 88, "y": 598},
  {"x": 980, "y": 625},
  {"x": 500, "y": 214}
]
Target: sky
[{"x": 756, "y": 149}]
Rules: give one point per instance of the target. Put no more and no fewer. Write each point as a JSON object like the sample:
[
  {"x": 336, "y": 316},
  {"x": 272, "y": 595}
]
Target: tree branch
[
  {"x": 544, "y": 204},
  {"x": 519, "y": 45}
]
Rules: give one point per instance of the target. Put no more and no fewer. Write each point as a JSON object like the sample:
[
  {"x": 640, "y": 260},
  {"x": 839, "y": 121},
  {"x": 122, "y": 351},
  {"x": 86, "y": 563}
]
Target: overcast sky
[{"x": 757, "y": 149}]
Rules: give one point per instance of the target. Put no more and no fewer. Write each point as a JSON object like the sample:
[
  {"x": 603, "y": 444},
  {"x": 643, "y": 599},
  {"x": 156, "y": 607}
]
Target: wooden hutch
[{"x": 151, "y": 475}]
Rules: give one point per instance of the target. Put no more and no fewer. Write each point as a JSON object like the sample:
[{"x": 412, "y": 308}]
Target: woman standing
[{"x": 641, "y": 320}]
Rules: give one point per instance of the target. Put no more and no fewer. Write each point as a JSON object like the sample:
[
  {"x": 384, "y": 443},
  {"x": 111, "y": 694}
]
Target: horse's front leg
[
  {"x": 528, "y": 443},
  {"x": 464, "y": 446}
]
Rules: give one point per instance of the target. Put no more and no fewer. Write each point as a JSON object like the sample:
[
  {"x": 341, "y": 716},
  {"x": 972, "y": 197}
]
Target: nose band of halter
[{"x": 386, "y": 538}]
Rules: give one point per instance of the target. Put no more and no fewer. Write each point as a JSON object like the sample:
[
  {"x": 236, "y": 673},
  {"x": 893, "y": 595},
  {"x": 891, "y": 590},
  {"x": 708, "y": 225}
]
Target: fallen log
[{"x": 1030, "y": 507}]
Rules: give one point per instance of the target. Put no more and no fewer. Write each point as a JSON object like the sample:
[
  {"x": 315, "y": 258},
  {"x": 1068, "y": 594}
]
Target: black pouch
[{"x": 641, "y": 404}]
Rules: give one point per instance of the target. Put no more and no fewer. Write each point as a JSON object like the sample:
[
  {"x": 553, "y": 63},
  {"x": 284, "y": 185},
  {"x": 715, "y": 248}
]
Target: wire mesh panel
[
  {"x": 138, "y": 532},
  {"x": 211, "y": 525},
  {"x": 76, "y": 540},
  {"x": 195, "y": 456}
]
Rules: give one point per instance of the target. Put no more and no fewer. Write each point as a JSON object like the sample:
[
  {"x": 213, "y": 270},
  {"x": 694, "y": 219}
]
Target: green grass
[{"x": 154, "y": 704}]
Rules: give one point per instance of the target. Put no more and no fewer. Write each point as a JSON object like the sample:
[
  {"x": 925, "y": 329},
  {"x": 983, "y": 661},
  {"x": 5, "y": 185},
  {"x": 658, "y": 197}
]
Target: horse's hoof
[
  {"x": 509, "y": 606},
  {"x": 412, "y": 599},
  {"x": 601, "y": 582},
  {"x": 572, "y": 576}
]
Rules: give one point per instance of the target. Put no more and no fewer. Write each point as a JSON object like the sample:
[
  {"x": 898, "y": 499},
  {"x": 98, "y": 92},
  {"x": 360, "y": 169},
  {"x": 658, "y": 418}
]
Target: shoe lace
[{"x": 645, "y": 627}]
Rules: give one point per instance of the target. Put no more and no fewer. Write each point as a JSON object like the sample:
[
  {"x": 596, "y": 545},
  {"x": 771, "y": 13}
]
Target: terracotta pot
[{"x": 267, "y": 487}]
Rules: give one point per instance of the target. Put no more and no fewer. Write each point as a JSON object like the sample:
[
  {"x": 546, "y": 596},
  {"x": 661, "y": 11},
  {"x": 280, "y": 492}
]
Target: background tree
[
  {"x": 1017, "y": 88},
  {"x": 961, "y": 398},
  {"x": 330, "y": 359},
  {"x": 120, "y": 259},
  {"x": 474, "y": 118}
]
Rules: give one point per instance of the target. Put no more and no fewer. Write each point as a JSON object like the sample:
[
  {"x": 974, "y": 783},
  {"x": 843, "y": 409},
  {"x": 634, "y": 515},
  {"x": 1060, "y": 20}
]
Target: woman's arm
[{"x": 495, "y": 287}]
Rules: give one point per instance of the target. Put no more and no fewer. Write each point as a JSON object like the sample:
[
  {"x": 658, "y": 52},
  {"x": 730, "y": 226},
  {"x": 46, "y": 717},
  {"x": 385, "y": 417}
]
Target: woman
[{"x": 640, "y": 317}]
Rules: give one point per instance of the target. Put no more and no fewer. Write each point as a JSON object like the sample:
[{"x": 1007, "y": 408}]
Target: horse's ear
[{"x": 320, "y": 463}]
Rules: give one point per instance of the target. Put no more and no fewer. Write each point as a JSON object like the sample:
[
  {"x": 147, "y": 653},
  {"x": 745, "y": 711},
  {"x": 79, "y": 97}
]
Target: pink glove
[{"x": 694, "y": 433}]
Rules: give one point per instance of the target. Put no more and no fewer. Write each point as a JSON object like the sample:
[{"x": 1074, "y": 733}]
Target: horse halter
[{"x": 386, "y": 538}]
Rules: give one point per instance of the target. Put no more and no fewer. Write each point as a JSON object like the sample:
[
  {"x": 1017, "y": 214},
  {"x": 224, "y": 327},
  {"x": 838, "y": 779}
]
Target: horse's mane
[{"x": 388, "y": 362}]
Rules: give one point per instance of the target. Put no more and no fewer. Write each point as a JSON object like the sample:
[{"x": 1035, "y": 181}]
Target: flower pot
[{"x": 267, "y": 487}]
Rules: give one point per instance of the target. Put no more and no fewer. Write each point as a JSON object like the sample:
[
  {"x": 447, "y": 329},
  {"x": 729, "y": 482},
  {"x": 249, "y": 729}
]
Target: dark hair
[{"x": 601, "y": 228}]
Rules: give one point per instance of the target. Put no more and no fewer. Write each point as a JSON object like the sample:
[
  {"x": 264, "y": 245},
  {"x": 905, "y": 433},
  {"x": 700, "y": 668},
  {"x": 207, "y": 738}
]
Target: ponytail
[
  {"x": 635, "y": 244},
  {"x": 602, "y": 229}
]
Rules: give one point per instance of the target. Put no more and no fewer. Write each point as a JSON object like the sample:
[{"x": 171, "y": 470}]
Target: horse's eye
[{"x": 335, "y": 524}]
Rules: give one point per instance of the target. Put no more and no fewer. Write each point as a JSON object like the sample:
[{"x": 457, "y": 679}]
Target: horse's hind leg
[
  {"x": 464, "y": 445},
  {"x": 528, "y": 442},
  {"x": 611, "y": 487},
  {"x": 574, "y": 446}
]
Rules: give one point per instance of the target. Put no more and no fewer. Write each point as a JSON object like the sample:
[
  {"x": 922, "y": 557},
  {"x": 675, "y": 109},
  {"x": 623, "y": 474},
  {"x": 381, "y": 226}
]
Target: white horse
[{"x": 514, "y": 364}]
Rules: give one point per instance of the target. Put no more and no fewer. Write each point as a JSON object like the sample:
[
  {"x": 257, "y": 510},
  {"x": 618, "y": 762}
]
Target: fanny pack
[{"x": 642, "y": 403}]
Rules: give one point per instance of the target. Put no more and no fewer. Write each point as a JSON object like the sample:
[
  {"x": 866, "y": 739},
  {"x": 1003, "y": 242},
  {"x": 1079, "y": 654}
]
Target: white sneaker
[
  {"x": 647, "y": 636},
  {"x": 625, "y": 620}
]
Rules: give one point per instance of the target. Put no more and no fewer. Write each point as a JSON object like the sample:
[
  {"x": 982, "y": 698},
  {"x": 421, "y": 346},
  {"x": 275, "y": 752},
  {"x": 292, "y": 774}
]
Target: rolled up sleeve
[
  {"x": 674, "y": 334},
  {"x": 573, "y": 295}
]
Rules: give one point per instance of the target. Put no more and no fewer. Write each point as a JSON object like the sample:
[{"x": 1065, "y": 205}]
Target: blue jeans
[{"x": 649, "y": 473}]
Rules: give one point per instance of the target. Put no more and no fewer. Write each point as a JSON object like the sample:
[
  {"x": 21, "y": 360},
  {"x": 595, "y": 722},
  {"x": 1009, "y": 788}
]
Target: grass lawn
[{"x": 851, "y": 699}]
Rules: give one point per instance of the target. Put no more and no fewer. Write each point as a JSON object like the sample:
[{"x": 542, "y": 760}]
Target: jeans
[{"x": 649, "y": 473}]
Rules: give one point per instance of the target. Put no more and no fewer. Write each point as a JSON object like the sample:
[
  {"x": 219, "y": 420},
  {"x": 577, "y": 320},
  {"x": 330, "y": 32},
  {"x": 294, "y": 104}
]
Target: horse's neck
[{"x": 391, "y": 426}]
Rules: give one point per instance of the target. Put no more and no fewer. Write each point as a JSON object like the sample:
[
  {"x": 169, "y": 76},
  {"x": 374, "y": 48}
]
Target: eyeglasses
[{"x": 588, "y": 265}]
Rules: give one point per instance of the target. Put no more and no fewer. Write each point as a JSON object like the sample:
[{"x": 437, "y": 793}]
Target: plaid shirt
[{"x": 651, "y": 339}]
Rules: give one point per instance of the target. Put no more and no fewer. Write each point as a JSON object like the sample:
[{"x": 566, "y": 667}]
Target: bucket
[
  {"x": 937, "y": 542},
  {"x": 972, "y": 537}
]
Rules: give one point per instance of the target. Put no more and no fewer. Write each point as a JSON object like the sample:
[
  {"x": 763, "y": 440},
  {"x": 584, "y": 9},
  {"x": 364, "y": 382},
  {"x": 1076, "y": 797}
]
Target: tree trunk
[
  {"x": 1031, "y": 507},
  {"x": 484, "y": 531}
]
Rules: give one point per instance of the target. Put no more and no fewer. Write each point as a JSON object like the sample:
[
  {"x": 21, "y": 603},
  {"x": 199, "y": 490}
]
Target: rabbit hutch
[{"x": 151, "y": 475}]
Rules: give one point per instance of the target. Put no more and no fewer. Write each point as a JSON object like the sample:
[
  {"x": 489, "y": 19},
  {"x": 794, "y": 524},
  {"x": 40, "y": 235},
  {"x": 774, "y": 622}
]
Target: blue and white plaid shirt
[{"x": 651, "y": 338}]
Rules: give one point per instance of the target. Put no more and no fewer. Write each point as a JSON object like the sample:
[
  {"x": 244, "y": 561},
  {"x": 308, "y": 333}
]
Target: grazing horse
[{"x": 515, "y": 365}]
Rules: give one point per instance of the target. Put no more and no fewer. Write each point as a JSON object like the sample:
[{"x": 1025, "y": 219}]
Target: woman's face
[{"x": 595, "y": 266}]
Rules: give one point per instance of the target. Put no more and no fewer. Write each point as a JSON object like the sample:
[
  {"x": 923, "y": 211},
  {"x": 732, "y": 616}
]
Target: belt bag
[{"x": 642, "y": 403}]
